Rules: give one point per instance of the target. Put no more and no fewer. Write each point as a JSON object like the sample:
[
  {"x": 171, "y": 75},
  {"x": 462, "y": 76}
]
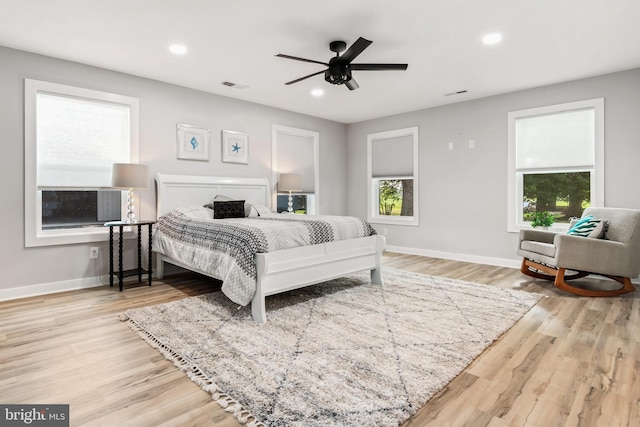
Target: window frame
[
  {"x": 373, "y": 189},
  {"x": 34, "y": 234},
  {"x": 515, "y": 177},
  {"x": 314, "y": 136}
]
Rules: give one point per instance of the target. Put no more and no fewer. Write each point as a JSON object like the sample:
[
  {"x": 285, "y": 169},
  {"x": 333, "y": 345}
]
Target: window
[
  {"x": 302, "y": 203},
  {"x": 393, "y": 176},
  {"x": 75, "y": 209},
  {"x": 556, "y": 161},
  {"x": 296, "y": 151},
  {"x": 72, "y": 138}
]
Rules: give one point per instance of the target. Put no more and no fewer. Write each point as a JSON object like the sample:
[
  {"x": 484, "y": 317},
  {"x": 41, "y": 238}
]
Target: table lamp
[
  {"x": 290, "y": 182},
  {"x": 130, "y": 176}
]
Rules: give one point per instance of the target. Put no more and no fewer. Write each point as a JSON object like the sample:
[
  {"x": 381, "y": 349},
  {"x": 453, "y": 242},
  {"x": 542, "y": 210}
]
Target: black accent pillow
[{"x": 228, "y": 209}]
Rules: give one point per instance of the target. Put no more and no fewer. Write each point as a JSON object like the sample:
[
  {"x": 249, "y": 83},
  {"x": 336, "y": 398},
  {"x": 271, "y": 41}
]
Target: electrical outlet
[
  {"x": 93, "y": 252},
  {"x": 451, "y": 146},
  {"x": 472, "y": 143}
]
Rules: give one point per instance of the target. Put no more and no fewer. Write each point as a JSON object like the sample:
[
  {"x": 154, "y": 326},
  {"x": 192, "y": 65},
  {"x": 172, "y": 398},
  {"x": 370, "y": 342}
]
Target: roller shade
[
  {"x": 392, "y": 156},
  {"x": 78, "y": 140},
  {"x": 559, "y": 140},
  {"x": 296, "y": 155}
]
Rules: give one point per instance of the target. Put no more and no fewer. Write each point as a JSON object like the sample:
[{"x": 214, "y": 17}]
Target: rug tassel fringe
[{"x": 196, "y": 375}]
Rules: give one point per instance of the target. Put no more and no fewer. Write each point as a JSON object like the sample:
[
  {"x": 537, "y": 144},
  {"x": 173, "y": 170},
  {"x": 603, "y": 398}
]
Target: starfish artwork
[{"x": 236, "y": 148}]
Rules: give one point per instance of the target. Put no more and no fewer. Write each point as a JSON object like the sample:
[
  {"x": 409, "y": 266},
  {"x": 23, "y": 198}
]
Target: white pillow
[{"x": 261, "y": 210}]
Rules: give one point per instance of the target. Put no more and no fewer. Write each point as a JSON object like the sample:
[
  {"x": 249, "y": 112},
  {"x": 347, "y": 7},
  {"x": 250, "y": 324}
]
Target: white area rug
[{"x": 344, "y": 353}]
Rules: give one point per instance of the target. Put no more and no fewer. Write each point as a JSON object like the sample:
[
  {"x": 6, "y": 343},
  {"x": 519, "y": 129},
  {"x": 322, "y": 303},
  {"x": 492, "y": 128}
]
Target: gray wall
[
  {"x": 162, "y": 106},
  {"x": 463, "y": 193},
  {"x": 463, "y": 200}
]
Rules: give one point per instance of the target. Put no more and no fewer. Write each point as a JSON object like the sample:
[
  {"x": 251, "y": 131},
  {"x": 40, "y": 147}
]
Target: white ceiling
[{"x": 545, "y": 41}]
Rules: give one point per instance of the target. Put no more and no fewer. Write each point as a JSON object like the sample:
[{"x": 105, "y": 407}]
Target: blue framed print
[
  {"x": 193, "y": 143},
  {"x": 235, "y": 147}
]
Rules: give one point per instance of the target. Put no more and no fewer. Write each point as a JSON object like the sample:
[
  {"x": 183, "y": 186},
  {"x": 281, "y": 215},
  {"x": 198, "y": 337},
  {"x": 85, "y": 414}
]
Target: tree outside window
[
  {"x": 396, "y": 197},
  {"x": 564, "y": 194}
]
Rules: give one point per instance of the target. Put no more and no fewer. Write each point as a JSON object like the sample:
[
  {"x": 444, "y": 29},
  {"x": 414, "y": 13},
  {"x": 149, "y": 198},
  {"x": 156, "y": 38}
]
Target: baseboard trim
[
  {"x": 93, "y": 282},
  {"x": 476, "y": 259},
  {"x": 56, "y": 287},
  {"x": 500, "y": 262}
]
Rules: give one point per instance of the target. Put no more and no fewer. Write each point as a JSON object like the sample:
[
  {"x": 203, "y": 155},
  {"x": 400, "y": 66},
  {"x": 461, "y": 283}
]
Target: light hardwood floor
[{"x": 570, "y": 361}]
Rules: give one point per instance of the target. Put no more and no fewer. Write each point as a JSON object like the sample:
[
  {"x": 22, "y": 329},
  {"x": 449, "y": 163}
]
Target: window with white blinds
[
  {"x": 392, "y": 156},
  {"x": 297, "y": 154},
  {"x": 296, "y": 151},
  {"x": 556, "y": 161},
  {"x": 393, "y": 177},
  {"x": 78, "y": 140},
  {"x": 72, "y": 138},
  {"x": 564, "y": 139}
]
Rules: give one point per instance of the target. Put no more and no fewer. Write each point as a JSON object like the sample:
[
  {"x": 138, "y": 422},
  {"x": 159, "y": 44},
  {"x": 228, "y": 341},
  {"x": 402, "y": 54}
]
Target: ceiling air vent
[
  {"x": 460, "y": 92},
  {"x": 234, "y": 85}
]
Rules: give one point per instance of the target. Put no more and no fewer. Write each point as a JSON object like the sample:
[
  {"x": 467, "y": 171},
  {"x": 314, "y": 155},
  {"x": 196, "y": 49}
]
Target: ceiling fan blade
[
  {"x": 351, "y": 84},
  {"x": 355, "y": 50},
  {"x": 303, "y": 78},
  {"x": 378, "y": 67},
  {"x": 301, "y": 59}
]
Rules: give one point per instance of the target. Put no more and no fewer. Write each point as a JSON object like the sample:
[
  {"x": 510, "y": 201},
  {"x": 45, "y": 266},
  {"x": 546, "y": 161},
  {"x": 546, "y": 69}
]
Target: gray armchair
[{"x": 548, "y": 255}]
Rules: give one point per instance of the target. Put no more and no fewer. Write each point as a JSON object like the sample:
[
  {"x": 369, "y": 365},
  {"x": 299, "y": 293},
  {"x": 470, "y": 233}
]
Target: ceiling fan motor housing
[{"x": 338, "y": 72}]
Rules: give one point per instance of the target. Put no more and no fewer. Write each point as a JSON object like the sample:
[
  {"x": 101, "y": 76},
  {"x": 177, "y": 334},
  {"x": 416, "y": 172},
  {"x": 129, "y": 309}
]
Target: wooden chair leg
[
  {"x": 627, "y": 287},
  {"x": 559, "y": 277},
  {"x": 550, "y": 273},
  {"x": 525, "y": 269}
]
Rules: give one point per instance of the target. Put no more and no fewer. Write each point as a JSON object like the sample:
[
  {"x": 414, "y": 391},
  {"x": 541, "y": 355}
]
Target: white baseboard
[
  {"x": 92, "y": 282},
  {"x": 55, "y": 287},
  {"x": 500, "y": 262},
  {"x": 476, "y": 259}
]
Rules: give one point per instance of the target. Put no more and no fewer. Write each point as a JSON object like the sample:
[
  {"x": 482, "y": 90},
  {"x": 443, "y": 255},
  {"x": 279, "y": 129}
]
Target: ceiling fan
[{"x": 339, "y": 67}]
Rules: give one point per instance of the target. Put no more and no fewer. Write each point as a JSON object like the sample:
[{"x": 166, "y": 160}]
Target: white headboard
[{"x": 174, "y": 191}]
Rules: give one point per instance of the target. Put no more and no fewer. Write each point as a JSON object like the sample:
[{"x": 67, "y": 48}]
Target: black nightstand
[{"x": 135, "y": 271}]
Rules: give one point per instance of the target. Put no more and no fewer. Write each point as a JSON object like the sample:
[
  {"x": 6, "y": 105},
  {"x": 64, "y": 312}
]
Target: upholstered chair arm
[
  {"x": 537, "y": 235},
  {"x": 593, "y": 255}
]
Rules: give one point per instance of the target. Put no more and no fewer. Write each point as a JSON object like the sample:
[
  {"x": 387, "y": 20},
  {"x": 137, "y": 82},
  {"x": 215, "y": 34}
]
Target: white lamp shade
[
  {"x": 290, "y": 182},
  {"x": 130, "y": 175}
]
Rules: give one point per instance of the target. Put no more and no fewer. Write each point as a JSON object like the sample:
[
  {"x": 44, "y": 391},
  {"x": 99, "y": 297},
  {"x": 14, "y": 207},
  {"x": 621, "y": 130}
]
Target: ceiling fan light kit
[{"x": 339, "y": 68}]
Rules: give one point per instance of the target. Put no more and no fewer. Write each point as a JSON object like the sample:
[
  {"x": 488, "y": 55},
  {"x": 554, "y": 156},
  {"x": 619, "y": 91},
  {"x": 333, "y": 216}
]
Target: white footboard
[{"x": 295, "y": 268}]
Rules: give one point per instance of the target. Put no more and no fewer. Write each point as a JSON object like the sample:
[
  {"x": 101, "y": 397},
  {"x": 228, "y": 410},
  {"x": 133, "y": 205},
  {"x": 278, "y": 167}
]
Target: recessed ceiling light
[
  {"x": 178, "y": 49},
  {"x": 492, "y": 38},
  {"x": 317, "y": 92}
]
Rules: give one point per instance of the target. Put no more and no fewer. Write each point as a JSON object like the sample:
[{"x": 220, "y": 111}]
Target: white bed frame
[{"x": 278, "y": 271}]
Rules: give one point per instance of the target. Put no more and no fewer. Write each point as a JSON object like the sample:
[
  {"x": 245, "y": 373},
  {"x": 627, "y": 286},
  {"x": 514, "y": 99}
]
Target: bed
[{"x": 277, "y": 271}]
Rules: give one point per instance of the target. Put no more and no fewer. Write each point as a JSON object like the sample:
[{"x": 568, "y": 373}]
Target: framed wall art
[
  {"x": 193, "y": 143},
  {"x": 235, "y": 147}
]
